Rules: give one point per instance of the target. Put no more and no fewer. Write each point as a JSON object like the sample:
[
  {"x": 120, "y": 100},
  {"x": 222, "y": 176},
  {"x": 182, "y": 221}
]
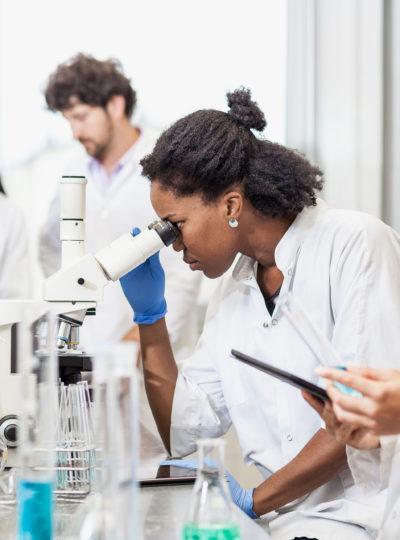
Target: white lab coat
[
  {"x": 14, "y": 261},
  {"x": 342, "y": 267},
  {"x": 379, "y": 470},
  {"x": 390, "y": 473},
  {"x": 110, "y": 213}
]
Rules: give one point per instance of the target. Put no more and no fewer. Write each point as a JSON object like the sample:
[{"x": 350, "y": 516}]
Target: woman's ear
[{"x": 233, "y": 203}]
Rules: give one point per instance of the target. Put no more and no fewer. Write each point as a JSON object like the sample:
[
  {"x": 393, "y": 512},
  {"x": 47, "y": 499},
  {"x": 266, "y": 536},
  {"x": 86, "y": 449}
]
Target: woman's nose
[{"x": 178, "y": 244}]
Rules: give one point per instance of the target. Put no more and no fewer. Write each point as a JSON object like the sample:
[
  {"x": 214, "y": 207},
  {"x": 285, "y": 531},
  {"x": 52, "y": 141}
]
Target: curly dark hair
[
  {"x": 208, "y": 152},
  {"x": 92, "y": 81}
]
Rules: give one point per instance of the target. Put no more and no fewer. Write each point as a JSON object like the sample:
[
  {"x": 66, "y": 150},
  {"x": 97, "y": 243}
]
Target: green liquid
[{"x": 221, "y": 532}]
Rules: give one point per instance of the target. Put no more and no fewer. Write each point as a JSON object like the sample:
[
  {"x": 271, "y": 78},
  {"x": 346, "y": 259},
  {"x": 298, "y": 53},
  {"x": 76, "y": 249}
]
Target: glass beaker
[{"x": 209, "y": 516}]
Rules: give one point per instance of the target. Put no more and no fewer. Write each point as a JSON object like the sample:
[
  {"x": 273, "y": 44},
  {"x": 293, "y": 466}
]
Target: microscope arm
[
  {"x": 80, "y": 282},
  {"x": 85, "y": 279}
]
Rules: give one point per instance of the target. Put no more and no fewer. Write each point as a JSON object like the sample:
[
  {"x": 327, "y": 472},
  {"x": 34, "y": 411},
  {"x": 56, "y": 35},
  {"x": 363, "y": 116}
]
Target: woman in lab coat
[
  {"x": 14, "y": 267},
  {"x": 232, "y": 194},
  {"x": 370, "y": 423}
]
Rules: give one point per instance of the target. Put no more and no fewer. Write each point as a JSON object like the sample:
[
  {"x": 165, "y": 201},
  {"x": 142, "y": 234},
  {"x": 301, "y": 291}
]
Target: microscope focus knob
[
  {"x": 10, "y": 433},
  {"x": 81, "y": 281},
  {"x": 9, "y": 430}
]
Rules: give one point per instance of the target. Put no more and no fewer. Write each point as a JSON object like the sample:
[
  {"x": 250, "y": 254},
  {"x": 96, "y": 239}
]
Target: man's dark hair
[
  {"x": 90, "y": 80},
  {"x": 2, "y": 188},
  {"x": 209, "y": 152}
]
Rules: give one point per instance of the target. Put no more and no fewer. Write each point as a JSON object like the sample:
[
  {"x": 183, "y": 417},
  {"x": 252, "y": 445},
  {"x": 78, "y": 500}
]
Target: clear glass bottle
[
  {"x": 111, "y": 513},
  {"x": 35, "y": 484},
  {"x": 210, "y": 516}
]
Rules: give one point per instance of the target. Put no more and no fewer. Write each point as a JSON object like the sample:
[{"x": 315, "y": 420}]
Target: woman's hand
[
  {"x": 378, "y": 410},
  {"x": 357, "y": 437},
  {"x": 144, "y": 288}
]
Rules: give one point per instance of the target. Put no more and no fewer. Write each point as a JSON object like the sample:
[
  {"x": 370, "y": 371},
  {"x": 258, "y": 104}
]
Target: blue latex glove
[
  {"x": 243, "y": 498},
  {"x": 144, "y": 288}
]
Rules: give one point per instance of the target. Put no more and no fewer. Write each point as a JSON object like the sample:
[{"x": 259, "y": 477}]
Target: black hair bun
[{"x": 245, "y": 111}]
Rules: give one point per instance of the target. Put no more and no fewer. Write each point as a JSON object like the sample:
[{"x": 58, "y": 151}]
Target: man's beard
[
  {"x": 96, "y": 150},
  {"x": 99, "y": 150}
]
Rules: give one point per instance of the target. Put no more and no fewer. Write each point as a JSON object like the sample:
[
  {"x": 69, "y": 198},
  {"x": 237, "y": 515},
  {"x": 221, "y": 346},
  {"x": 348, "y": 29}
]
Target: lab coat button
[
  {"x": 274, "y": 322},
  {"x": 265, "y": 325},
  {"x": 289, "y": 437},
  {"x": 394, "y": 514},
  {"x": 290, "y": 272}
]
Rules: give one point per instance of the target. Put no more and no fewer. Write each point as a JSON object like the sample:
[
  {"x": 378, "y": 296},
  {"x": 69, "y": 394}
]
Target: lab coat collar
[
  {"x": 129, "y": 163},
  {"x": 138, "y": 150},
  {"x": 244, "y": 269},
  {"x": 288, "y": 247},
  {"x": 143, "y": 146},
  {"x": 290, "y": 243}
]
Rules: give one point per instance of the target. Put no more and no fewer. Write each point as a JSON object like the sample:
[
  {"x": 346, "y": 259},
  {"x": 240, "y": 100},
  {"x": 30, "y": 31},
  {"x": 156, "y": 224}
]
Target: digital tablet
[
  {"x": 282, "y": 375},
  {"x": 170, "y": 475}
]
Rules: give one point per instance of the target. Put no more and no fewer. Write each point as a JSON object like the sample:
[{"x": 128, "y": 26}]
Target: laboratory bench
[
  {"x": 162, "y": 507},
  {"x": 162, "y": 510}
]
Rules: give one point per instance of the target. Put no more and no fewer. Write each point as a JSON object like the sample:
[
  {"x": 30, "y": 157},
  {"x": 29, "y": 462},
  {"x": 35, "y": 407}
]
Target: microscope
[{"x": 70, "y": 294}]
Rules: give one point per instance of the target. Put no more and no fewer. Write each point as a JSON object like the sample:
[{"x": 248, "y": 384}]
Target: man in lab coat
[{"x": 97, "y": 100}]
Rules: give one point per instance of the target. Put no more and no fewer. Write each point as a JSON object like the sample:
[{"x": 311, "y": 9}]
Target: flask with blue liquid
[{"x": 37, "y": 441}]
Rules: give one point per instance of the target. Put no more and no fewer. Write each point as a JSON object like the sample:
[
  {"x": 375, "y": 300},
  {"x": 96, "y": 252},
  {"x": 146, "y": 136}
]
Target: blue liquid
[
  {"x": 346, "y": 389},
  {"x": 35, "y": 510}
]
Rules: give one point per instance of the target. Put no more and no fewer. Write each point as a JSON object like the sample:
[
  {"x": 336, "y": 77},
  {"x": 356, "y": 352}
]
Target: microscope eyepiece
[
  {"x": 127, "y": 252},
  {"x": 167, "y": 231}
]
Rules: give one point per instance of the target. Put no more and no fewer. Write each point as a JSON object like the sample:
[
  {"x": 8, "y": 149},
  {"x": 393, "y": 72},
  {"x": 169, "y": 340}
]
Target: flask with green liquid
[{"x": 210, "y": 515}]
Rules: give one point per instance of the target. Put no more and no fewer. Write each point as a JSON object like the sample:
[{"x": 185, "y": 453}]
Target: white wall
[
  {"x": 391, "y": 169},
  {"x": 181, "y": 55},
  {"x": 335, "y": 96}
]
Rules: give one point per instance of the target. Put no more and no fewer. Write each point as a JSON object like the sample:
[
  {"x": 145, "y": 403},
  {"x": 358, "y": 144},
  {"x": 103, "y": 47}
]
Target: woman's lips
[{"x": 193, "y": 263}]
